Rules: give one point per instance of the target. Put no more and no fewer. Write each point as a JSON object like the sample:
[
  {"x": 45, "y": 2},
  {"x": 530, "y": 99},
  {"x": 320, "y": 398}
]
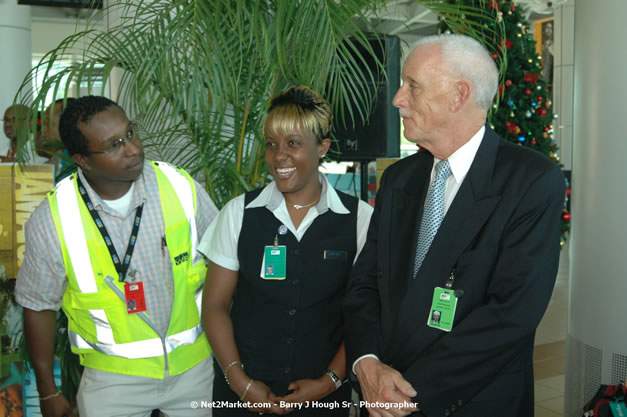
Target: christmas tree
[{"x": 521, "y": 111}]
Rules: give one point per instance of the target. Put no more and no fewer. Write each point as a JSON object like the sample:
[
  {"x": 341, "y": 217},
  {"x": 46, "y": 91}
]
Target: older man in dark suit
[{"x": 468, "y": 227}]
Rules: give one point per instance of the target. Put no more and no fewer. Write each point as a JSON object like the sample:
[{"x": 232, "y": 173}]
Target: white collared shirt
[
  {"x": 460, "y": 162},
  {"x": 219, "y": 243}
]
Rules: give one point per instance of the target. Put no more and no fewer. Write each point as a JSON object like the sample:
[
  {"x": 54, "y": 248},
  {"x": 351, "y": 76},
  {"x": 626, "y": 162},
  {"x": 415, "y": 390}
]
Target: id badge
[
  {"x": 443, "y": 308},
  {"x": 618, "y": 409},
  {"x": 135, "y": 300},
  {"x": 274, "y": 261}
]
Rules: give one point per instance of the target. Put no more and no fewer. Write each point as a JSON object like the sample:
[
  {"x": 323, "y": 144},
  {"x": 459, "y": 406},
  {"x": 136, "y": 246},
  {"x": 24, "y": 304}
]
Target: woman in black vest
[{"x": 280, "y": 260}]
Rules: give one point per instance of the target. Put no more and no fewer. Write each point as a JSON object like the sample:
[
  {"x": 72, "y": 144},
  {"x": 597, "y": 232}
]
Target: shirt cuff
[{"x": 369, "y": 355}]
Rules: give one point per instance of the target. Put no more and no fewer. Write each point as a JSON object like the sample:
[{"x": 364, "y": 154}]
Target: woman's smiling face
[{"x": 293, "y": 157}]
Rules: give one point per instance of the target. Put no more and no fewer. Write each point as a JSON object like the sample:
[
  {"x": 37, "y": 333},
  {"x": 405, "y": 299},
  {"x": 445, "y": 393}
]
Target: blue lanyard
[{"x": 121, "y": 267}]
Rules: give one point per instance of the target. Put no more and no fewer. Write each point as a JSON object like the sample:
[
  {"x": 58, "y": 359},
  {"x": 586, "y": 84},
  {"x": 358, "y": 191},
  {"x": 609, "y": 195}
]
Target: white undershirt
[{"x": 122, "y": 204}]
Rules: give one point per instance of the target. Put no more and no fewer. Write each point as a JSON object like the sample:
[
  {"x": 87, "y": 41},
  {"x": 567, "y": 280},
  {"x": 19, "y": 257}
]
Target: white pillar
[
  {"x": 15, "y": 54},
  {"x": 597, "y": 329},
  {"x": 563, "y": 88}
]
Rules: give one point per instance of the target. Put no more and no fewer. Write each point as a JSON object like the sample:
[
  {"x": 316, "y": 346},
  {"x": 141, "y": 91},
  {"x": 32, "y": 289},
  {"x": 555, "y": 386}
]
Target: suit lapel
[
  {"x": 472, "y": 206},
  {"x": 407, "y": 207}
]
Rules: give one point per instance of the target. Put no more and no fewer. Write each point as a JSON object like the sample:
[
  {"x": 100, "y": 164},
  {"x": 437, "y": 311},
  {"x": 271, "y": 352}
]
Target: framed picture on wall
[{"x": 543, "y": 35}]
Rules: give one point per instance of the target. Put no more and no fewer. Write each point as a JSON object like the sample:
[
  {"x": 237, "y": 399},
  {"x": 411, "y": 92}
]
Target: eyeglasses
[{"x": 117, "y": 146}]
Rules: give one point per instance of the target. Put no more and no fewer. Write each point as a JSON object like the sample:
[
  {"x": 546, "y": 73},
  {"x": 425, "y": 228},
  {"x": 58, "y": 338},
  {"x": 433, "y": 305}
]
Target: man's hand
[
  {"x": 56, "y": 407},
  {"x": 384, "y": 389}
]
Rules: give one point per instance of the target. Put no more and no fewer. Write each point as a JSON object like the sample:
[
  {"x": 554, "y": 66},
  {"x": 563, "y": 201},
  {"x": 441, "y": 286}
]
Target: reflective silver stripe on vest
[
  {"x": 198, "y": 298},
  {"x": 69, "y": 213},
  {"x": 142, "y": 349},
  {"x": 184, "y": 191}
]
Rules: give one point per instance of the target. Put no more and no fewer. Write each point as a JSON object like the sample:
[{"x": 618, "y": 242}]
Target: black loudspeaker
[{"x": 379, "y": 136}]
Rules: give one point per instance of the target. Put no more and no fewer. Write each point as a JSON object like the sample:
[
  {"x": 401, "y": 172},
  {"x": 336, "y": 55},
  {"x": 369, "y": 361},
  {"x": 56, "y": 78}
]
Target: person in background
[
  {"x": 120, "y": 229},
  {"x": 280, "y": 258},
  {"x": 469, "y": 226},
  {"x": 49, "y": 144},
  {"x": 14, "y": 119}
]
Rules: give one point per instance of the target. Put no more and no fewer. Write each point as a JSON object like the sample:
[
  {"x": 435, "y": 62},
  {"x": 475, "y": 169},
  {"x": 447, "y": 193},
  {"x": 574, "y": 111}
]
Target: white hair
[{"x": 466, "y": 58}]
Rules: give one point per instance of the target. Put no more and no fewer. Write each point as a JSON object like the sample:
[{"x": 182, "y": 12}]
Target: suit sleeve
[
  {"x": 495, "y": 333},
  {"x": 362, "y": 311}
]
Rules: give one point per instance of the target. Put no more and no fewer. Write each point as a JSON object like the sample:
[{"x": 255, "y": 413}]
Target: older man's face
[{"x": 423, "y": 99}]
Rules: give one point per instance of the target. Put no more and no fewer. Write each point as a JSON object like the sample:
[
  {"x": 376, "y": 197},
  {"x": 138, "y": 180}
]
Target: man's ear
[
  {"x": 82, "y": 161},
  {"x": 460, "y": 94}
]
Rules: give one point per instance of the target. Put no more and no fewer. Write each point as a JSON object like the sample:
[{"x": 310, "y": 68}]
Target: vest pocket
[{"x": 81, "y": 303}]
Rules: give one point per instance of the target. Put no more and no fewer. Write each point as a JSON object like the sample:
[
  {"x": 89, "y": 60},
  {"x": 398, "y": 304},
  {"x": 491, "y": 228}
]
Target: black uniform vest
[{"x": 291, "y": 329}]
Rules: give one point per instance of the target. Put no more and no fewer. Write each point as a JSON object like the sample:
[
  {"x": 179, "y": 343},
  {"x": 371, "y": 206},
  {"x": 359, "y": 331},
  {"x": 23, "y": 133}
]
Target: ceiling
[
  {"x": 410, "y": 20},
  {"x": 407, "y": 19}
]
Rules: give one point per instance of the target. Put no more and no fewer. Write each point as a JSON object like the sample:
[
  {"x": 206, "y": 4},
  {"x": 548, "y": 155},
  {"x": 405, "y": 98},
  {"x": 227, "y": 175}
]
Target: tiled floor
[{"x": 550, "y": 352}]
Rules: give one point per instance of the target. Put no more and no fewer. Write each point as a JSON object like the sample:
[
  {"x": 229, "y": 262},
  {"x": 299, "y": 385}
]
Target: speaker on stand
[{"x": 379, "y": 135}]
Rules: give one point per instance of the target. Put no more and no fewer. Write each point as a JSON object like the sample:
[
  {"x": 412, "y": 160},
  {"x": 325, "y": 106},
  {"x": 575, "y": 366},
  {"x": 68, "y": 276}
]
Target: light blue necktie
[{"x": 433, "y": 213}]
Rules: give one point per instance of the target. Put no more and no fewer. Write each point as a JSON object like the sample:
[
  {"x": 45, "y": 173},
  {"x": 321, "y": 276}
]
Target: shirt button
[
  {"x": 290, "y": 340},
  {"x": 291, "y": 312},
  {"x": 296, "y": 251},
  {"x": 460, "y": 402}
]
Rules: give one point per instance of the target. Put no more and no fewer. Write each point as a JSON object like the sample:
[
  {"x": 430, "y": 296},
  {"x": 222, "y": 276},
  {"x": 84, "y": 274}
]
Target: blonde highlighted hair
[{"x": 299, "y": 107}]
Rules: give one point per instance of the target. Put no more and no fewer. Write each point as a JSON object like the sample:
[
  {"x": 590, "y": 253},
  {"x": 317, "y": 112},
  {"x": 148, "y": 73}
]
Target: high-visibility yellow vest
[{"x": 101, "y": 331}]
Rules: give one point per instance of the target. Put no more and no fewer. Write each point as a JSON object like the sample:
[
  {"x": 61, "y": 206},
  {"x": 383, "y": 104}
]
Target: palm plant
[{"x": 196, "y": 75}]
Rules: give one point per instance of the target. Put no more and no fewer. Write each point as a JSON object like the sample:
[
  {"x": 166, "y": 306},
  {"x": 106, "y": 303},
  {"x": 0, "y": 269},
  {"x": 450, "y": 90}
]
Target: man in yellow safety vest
[{"x": 115, "y": 245}]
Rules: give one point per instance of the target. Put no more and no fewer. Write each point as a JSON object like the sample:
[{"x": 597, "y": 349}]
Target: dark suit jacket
[{"x": 501, "y": 235}]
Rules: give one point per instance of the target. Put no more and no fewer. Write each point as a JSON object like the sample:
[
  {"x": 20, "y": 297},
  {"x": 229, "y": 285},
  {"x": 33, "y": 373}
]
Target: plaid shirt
[{"x": 42, "y": 280}]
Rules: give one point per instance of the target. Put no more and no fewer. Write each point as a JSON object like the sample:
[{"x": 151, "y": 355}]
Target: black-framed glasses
[{"x": 116, "y": 148}]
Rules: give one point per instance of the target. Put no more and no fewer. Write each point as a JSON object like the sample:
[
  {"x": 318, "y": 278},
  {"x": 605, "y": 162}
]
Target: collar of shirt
[
  {"x": 460, "y": 162},
  {"x": 462, "y": 158},
  {"x": 273, "y": 199},
  {"x": 139, "y": 193}
]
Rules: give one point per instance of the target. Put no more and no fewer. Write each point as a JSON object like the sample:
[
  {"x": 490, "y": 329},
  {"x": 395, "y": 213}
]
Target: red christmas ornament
[
  {"x": 508, "y": 82},
  {"x": 528, "y": 92},
  {"x": 568, "y": 191},
  {"x": 495, "y": 56},
  {"x": 513, "y": 7},
  {"x": 533, "y": 141},
  {"x": 494, "y": 5},
  {"x": 546, "y": 129},
  {"x": 501, "y": 88},
  {"x": 539, "y": 98},
  {"x": 513, "y": 129},
  {"x": 531, "y": 78},
  {"x": 566, "y": 216},
  {"x": 541, "y": 111},
  {"x": 508, "y": 44}
]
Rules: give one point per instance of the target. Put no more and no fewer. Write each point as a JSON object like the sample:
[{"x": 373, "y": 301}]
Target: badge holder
[
  {"x": 135, "y": 299},
  {"x": 443, "y": 306},
  {"x": 274, "y": 261}
]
